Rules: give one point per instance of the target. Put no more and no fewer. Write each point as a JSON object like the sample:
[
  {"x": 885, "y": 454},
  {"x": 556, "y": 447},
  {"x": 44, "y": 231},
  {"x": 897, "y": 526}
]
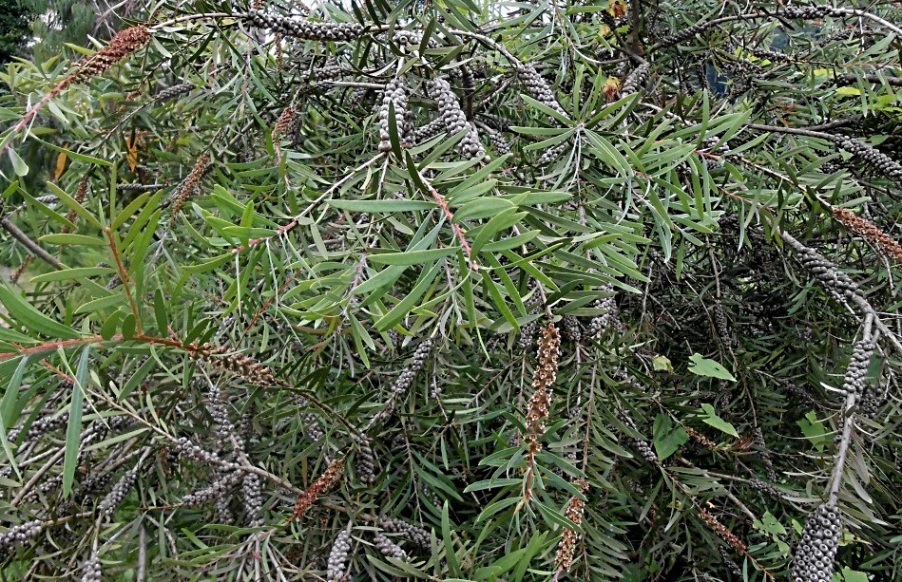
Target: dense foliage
[{"x": 438, "y": 290}]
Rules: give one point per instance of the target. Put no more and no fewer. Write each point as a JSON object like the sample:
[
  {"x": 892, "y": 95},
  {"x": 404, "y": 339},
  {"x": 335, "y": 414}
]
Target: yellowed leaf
[{"x": 61, "y": 160}]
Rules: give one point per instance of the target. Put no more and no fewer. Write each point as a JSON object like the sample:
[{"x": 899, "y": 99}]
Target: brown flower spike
[
  {"x": 187, "y": 187},
  {"x": 542, "y": 380},
  {"x": 121, "y": 46},
  {"x": 870, "y": 232},
  {"x": 563, "y": 559},
  {"x": 311, "y": 494}
]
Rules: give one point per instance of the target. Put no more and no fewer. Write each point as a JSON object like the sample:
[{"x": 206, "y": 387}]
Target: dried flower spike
[
  {"x": 312, "y": 493},
  {"x": 188, "y": 185},
  {"x": 121, "y": 46},
  {"x": 563, "y": 559},
  {"x": 542, "y": 380},
  {"x": 870, "y": 232}
]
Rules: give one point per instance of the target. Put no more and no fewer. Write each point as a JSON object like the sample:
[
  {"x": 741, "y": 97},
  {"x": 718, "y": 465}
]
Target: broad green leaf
[
  {"x": 704, "y": 367},
  {"x": 710, "y": 418}
]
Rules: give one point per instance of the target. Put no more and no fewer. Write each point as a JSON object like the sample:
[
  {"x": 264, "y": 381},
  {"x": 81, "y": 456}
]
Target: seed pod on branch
[
  {"x": 305, "y": 29},
  {"x": 338, "y": 556},
  {"x": 538, "y": 88},
  {"x": 394, "y": 94},
  {"x": 455, "y": 120},
  {"x": 816, "y": 552}
]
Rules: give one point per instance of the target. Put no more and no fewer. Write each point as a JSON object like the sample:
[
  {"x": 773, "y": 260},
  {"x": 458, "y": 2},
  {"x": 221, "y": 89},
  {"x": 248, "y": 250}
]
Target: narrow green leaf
[
  {"x": 33, "y": 319},
  {"x": 73, "y": 429}
]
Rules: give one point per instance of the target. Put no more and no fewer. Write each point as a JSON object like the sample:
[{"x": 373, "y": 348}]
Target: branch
[{"x": 32, "y": 246}]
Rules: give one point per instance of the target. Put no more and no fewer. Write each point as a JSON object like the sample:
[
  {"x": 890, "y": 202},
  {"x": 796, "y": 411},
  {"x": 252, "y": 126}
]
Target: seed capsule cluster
[
  {"x": 112, "y": 499},
  {"x": 537, "y": 88},
  {"x": 570, "y": 328},
  {"x": 552, "y": 153},
  {"x": 365, "y": 461},
  {"x": 759, "y": 485},
  {"x": 253, "y": 499},
  {"x": 455, "y": 120},
  {"x": 306, "y": 29},
  {"x": 215, "y": 490},
  {"x": 40, "y": 427},
  {"x": 528, "y": 330},
  {"x": 91, "y": 571},
  {"x": 639, "y": 444},
  {"x": 412, "y": 533},
  {"x": 855, "y": 381},
  {"x": 814, "y": 556},
  {"x": 394, "y": 94},
  {"x": 389, "y": 548},
  {"x": 502, "y": 146},
  {"x": 609, "y": 319},
  {"x": 831, "y": 277},
  {"x": 636, "y": 79},
  {"x": 338, "y": 557},
  {"x": 872, "y": 156},
  {"x": 19, "y": 534},
  {"x": 174, "y": 91},
  {"x": 428, "y": 131},
  {"x": 403, "y": 382}
]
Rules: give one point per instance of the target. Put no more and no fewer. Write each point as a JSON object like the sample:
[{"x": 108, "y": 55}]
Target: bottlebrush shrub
[{"x": 619, "y": 302}]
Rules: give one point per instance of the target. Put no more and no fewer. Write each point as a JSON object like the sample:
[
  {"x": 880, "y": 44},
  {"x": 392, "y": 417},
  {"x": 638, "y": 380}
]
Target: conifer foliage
[{"x": 452, "y": 290}]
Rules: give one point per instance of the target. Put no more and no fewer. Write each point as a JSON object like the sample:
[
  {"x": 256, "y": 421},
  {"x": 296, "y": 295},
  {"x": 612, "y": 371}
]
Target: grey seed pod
[
  {"x": 403, "y": 382},
  {"x": 394, "y": 94},
  {"x": 571, "y": 329},
  {"x": 19, "y": 534},
  {"x": 222, "y": 424},
  {"x": 763, "y": 487},
  {"x": 305, "y": 29},
  {"x": 855, "y": 381},
  {"x": 538, "y": 88},
  {"x": 412, "y": 533},
  {"x": 338, "y": 557},
  {"x": 192, "y": 451},
  {"x": 112, "y": 499},
  {"x": 365, "y": 461},
  {"x": 389, "y": 548},
  {"x": 871, "y": 156},
  {"x": 528, "y": 330},
  {"x": 213, "y": 491},
  {"x": 174, "y": 91},
  {"x": 610, "y": 319},
  {"x": 455, "y": 120},
  {"x": 816, "y": 552},
  {"x": 91, "y": 571},
  {"x": 635, "y": 79},
  {"x": 253, "y": 499}
]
